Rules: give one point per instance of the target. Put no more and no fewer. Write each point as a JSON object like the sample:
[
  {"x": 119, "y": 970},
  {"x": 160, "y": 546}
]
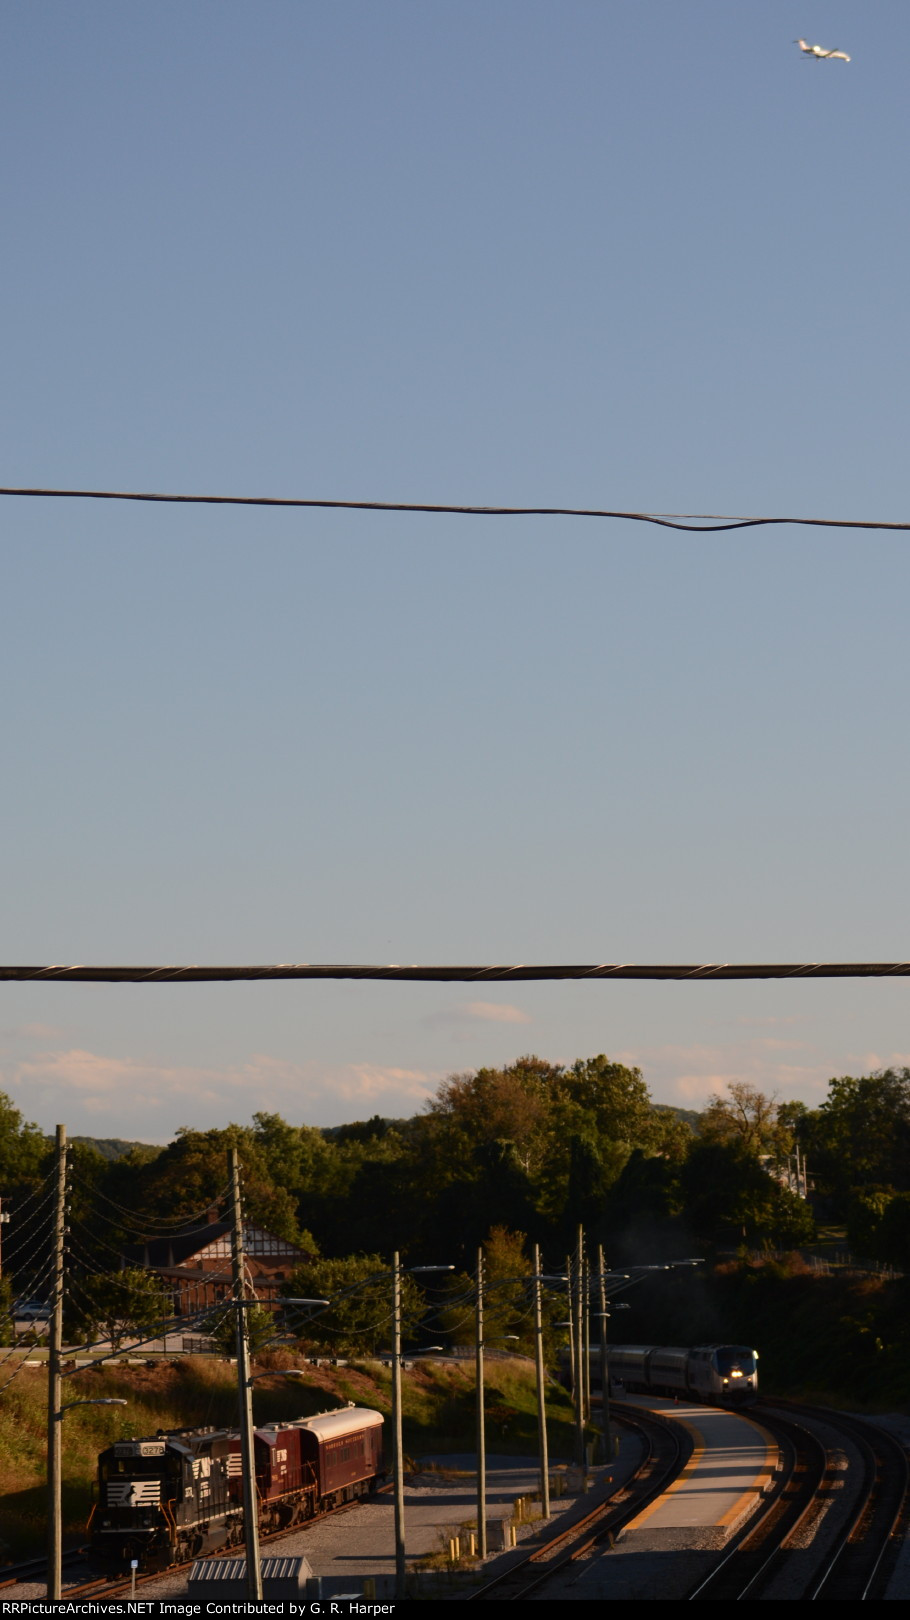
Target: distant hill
[
  {"x": 691, "y": 1116},
  {"x": 114, "y": 1147},
  {"x": 362, "y": 1130}
]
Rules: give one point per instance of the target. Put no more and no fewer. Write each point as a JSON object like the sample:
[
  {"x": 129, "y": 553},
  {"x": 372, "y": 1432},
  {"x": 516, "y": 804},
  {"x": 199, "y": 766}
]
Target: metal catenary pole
[
  {"x": 397, "y": 1447},
  {"x": 54, "y": 1386},
  {"x": 247, "y": 1445},
  {"x": 481, "y": 1433},
  {"x": 606, "y": 1438},
  {"x": 541, "y": 1390}
]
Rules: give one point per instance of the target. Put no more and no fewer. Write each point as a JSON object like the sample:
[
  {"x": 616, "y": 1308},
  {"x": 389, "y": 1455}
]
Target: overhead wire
[
  {"x": 173, "y": 1225},
  {"x": 520, "y": 972},
  {"x": 698, "y": 523}
]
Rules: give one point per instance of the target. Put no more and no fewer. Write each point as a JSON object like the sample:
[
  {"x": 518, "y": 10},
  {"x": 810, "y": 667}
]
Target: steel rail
[
  {"x": 870, "y": 1530},
  {"x": 113, "y": 1584},
  {"x": 748, "y": 1561},
  {"x": 603, "y": 1523}
]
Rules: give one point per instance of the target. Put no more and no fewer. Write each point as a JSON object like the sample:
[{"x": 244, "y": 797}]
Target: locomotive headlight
[{"x": 736, "y": 1373}]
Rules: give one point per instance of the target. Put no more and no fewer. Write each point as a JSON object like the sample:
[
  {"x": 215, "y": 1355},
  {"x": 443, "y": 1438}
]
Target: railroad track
[
  {"x": 116, "y": 1585},
  {"x": 36, "y": 1568},
  {"x": 858, "y": 1567},
  {"x": 746, "y": 1568},
  {"x": 849, "y": 1560},
  {"x": 667, "y": 1449}
]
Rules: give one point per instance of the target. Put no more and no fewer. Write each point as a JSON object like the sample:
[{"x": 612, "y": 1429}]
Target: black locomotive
[{"x": 178, "y": 1493}]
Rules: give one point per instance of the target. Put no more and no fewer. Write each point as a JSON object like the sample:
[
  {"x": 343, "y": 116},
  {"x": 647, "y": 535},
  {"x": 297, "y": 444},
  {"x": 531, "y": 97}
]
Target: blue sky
[{"x": 640, "y": 256}]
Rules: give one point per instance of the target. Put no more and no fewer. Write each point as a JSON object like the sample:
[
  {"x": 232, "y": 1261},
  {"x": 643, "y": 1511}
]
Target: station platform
[{"x": 732, "y": 1465}]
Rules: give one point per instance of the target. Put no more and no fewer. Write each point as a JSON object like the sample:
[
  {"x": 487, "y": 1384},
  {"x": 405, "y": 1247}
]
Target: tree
[
  {"x": 190, "y": 1176},
  {"x": 894, "y": 1232},
  {"x": 506, "y": 1311},
  {"x": 117, "y": 1305},
  {"x": 221, "y": 1327},
  {"x": 359, "y": 1317},
  {"x": 864, "y": 1220},
  {"x": 608, "y": 1100},
  {"x": 727, "y": 1194},
  {"x": 745, "y": 1115},
  {"x": 861, "y": 1133},
  {"x": 513, "y": 1104},
  {"x": 642, "y": 1208},
  {"x": 670, "y": 1137},
  {"x": 23, "y": 1147}
]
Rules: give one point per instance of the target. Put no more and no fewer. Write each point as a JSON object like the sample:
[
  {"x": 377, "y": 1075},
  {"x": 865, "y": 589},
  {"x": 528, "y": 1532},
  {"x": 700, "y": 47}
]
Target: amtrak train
[{"x": 722, "y": 1374}]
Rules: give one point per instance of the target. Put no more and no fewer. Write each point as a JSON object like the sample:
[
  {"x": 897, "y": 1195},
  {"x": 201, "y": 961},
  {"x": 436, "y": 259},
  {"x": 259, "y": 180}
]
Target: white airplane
[{"x": 820, "y": 53}]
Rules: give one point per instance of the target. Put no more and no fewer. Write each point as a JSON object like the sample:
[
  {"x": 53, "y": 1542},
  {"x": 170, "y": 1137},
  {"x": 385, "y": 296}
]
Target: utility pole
[
  {"x": 481, "y": 1433},
  {"x": 579, "y": 1351},
  {"x": 397, "y": 1446},
  {"x": 606, "y": 1438},
  {"x": 541, "y": 1390},
  {"x": 247, "y": 1444},
  {"x": 586, "y": 1301},
  {"x": 570, "y": 1296},
  {"x": 54, "y": 1386},
  {"x": 4, "y": 1217}
]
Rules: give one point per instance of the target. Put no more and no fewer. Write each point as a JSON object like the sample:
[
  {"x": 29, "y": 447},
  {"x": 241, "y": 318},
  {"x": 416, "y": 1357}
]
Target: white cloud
[
  {"x": 32, "y": 1032},
  {"x": 497, "y": 1012},
  {"x": 469, "y": 1012},
  {"x": 690, "y": 1075},
  {"x": 102, "y": 1095}
]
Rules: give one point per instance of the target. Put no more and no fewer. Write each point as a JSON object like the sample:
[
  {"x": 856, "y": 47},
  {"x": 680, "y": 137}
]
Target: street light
[
  {"x": 247, "y": 1443},
  {"x": 603, "y": 1316},
  {"x": 482, "y": 1344},
  {"x": 56, "y": 1496},
  {"x": 397, "y": 1441},
  {"x": 102, "y": 1400}
]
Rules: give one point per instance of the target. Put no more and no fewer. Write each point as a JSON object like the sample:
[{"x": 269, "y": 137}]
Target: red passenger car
[
  {"x": 345, "y": 1449},
  {"x": 171, "y": 1496}
]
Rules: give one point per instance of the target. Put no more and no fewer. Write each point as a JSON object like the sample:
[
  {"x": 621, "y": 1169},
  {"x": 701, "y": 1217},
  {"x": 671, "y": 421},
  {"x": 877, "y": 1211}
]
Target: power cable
[
  {"x": 698, "y": 523},
  {"x": 519, "y": 972},
  {"x": 143, "y": 1223},
  {"x": 125, "y": 1217}
]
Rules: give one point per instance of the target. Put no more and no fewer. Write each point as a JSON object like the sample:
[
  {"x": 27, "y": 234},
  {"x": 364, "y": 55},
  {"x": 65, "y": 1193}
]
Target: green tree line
[{"x": 531, "y": 1147}]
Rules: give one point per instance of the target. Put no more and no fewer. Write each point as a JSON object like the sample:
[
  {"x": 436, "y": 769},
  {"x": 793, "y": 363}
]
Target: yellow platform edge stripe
[{"x": 764, "y": 1472}]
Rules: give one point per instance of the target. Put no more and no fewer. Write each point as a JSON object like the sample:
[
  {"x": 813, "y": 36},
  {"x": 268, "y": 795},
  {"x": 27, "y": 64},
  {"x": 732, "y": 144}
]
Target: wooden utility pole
[
  {"x": 606, "y": 1438},
  {"x": 586, "y": 1336},
  {"x": 4, "y": 1217},
  {"x": 54, "y": 1386},
  {"x": 570, "y": 1308},
  {"x": 244, "y": 1390},
  {"x": 579, "y": 1352},
  {"x": 481, "y": 1432},
  {"x": 397, "y": 1445},
  {"x": 541, "y": 1390}
]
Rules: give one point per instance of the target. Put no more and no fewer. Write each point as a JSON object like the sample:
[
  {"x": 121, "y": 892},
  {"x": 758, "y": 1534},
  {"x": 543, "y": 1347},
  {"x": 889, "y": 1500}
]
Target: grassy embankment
[{"x": 438, "y": 1417}]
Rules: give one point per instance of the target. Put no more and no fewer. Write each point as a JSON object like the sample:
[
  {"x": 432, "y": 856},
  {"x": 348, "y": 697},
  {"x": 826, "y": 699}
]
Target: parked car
[{"x": 32, "y": 1310}]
